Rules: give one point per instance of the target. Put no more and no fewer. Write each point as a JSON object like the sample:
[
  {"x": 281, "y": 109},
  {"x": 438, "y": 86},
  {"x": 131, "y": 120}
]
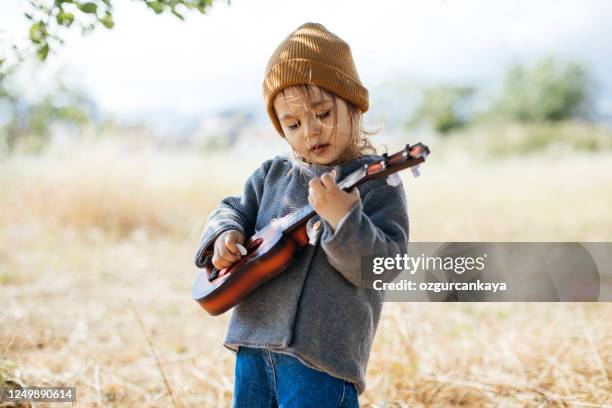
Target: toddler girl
[{"x": 303, "y": 338}]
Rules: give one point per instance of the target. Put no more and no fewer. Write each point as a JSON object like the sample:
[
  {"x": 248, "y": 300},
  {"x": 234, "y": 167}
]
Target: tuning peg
[
  {"x": 384, "y": 161},
  {"x": 415, "y": 171}
]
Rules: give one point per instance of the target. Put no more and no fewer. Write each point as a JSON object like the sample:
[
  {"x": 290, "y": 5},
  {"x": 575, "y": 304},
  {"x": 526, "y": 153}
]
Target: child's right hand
[{"x": 226, "y": 251}]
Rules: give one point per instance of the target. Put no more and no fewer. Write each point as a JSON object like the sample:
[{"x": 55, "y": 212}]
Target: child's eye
[{"x": 320, "y": 116}]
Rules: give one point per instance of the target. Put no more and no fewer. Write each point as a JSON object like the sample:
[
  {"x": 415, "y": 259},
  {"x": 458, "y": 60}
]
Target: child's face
[{"x": 308, "y": 119}]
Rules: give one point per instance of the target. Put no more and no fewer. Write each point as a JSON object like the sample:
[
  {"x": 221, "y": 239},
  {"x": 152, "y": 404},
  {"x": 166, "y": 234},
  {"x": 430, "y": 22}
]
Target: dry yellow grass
[{"x": 83, "y": 234}]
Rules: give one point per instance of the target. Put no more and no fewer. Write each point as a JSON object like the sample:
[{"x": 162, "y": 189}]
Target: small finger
[
  {"x": 231, "y": 246},
  {"x": 315, "y": 182},
  {"x": 228, "y": 256},
  {"x": 218, "y": 262},
  {"x": 316, "y": 186},
  {"x": 312, "y": 194},
  {"x": 328, "y": 181}
]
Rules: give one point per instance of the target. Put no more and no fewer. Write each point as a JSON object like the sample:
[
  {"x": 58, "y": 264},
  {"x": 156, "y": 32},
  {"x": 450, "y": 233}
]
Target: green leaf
[
  {"x": 107, "y": 21},
  {"x": 38, "y": 32},
  {"x": 43, "y": 52},
  {"x": 176, "y": 13},
  {"x": 68, "y": 19},
  {"x": 88, "y": 28},
  {"x": 201, "y": 6},
  {"x": 65, "y": 19},
  {"x": 157, "y": 6},
  {"x": 89, "y": 8}
]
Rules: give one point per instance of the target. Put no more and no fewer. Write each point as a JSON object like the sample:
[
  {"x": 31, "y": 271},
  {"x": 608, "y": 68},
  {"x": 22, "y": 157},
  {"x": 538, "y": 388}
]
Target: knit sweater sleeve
[
  {"x": 376, "y": 225},
  {"x": 234, "y": 213}
]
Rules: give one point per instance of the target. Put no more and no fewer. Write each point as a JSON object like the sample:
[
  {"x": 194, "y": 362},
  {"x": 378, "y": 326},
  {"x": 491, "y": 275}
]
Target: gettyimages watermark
[{"x": 493, "y": 272}]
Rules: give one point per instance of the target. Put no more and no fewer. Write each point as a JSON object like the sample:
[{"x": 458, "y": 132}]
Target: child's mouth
[{"x": 318, "y": 148}]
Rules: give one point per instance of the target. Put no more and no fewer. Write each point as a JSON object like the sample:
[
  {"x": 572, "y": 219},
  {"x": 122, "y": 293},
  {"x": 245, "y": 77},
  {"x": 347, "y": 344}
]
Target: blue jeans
[{"x": 267, "y": 379}]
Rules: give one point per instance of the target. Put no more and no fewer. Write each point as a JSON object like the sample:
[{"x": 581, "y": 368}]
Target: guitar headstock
[{"x": 408, "y": 157}]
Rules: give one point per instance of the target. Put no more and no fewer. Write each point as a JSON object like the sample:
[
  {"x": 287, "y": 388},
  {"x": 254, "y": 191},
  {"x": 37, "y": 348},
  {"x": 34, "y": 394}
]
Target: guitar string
[{"x": 293, "y": 217}]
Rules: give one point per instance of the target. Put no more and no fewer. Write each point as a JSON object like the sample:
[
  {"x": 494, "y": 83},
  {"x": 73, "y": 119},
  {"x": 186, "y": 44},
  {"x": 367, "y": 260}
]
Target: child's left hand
[{"x": 329, "y": 201}]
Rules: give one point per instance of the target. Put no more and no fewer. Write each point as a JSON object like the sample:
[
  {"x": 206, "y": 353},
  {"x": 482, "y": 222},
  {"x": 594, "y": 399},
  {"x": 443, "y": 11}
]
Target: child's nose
[{"x": 313, "y": 127}]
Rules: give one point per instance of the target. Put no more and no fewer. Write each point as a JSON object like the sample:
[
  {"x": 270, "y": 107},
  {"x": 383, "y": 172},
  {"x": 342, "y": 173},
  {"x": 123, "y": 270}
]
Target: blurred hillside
[{"x": 550, "y": 104}]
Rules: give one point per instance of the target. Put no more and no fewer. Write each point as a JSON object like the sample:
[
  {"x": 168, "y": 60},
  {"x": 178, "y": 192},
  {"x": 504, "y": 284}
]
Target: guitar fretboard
[{"x": 297, "y": 216}]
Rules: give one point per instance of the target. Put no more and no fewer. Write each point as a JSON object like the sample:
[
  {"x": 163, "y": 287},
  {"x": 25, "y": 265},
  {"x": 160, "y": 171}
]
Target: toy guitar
[{"x": 270, "y": 250}]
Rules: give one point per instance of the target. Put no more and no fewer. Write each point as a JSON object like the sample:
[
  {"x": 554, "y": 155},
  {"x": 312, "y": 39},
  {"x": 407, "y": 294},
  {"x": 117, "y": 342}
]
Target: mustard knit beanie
[{"x": 313, "y": 55}]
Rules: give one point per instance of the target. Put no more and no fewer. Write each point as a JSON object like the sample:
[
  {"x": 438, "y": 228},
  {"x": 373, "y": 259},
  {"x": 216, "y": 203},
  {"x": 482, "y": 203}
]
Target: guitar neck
[
  {"x": 410, "y": 156},
  {"x": 300, "y": 216}
]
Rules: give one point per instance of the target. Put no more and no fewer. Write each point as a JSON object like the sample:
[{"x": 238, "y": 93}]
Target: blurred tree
[
  {"x": 49, "y": 17},
  {"x": 441, "y": 107},
  {"x": 27, "y": 125},
  {"x": 547, "y": 91}
]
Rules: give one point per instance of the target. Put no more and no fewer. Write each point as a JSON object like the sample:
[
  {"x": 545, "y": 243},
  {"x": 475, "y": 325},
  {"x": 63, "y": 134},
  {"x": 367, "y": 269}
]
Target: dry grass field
[{"x": 87, "y": 234}]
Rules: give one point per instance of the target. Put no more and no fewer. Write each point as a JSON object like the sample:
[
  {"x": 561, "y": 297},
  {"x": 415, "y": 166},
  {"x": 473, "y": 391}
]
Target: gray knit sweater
[{"x": 315, "y": 310}]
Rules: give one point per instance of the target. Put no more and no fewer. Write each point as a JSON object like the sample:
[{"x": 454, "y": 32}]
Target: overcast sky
[{"x": 212, "y": 62}]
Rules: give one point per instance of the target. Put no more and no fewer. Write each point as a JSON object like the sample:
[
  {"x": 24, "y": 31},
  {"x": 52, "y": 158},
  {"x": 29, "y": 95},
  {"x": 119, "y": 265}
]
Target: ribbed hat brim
[{"x": 301, "y": 71}]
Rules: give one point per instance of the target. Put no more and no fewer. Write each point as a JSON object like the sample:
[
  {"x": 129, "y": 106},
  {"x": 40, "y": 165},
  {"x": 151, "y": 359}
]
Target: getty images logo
[{"x": 458, "y": 265}]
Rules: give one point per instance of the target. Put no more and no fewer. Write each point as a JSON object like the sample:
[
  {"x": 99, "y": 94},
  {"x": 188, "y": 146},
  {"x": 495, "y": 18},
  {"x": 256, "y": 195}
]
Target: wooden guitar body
[{"x": 269, "y": 252}]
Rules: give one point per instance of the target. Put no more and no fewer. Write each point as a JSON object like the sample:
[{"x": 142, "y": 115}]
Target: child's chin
[{"x": 325, "y": 160}]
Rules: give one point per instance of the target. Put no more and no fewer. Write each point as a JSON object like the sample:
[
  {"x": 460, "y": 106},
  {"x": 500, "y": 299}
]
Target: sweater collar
[{"x": 316, "y": 170}]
